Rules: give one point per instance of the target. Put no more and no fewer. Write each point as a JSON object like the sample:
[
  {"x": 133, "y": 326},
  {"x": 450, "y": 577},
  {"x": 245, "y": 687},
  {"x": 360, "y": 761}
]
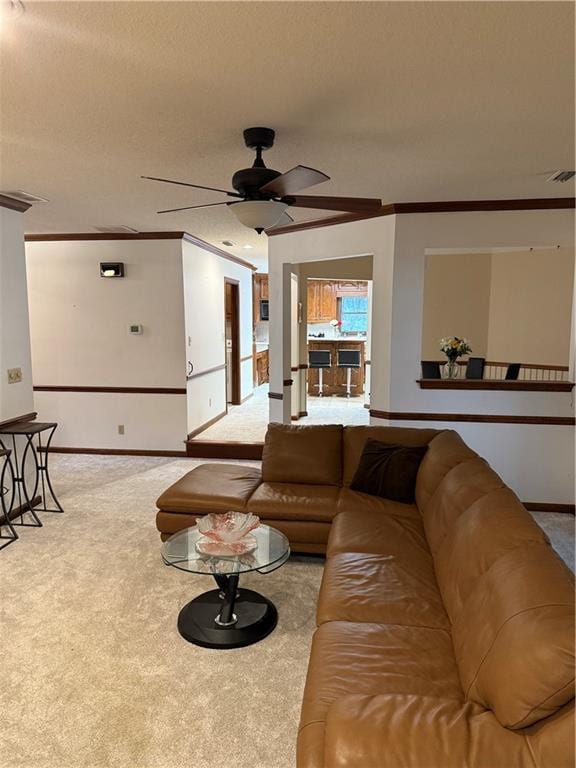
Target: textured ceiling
[{"x": 403, "y": 101}]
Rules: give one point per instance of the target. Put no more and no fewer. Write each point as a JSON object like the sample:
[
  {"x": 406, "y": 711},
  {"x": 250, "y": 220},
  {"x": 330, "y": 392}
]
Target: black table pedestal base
[{"x": 256, "y": 617}]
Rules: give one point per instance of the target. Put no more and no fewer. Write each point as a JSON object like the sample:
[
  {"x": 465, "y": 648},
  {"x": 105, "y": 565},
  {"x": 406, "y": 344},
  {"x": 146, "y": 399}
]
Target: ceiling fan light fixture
[{"x": 258, "y": 214}]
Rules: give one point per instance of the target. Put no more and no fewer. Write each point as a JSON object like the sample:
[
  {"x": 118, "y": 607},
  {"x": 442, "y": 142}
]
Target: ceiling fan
[{"x": 264, "y": 195}]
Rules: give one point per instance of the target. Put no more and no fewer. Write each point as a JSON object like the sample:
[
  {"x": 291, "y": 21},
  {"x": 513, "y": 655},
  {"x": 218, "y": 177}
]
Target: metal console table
[
  {"x": 40, "y": 486},
  {"x": 6, "y": 537}
]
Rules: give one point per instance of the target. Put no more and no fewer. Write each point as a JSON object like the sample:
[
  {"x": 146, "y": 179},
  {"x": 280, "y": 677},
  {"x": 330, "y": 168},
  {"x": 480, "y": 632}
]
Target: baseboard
[
  {"x": 247, "y": 397},
  {"x": 117, "y": 451},
  {"x": 206, "y": 424},
  {"x": 541, "y": 506},
  {"x": 212, "y": 449}
]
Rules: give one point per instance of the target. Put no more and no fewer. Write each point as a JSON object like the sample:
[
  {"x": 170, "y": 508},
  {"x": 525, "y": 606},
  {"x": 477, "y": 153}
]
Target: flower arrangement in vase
[
  {"x": 336, "y": 325},
  {"x": 453, "y": 347}
]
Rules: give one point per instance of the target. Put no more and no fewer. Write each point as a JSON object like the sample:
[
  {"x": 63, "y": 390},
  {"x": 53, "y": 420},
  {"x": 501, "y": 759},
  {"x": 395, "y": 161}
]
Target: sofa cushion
[
  {"x": 492, "y": 526},
  {"x": 367, "y": 524},
  {"x": 294, "y": 501},
  {"x": 310, "y": 455},
  {"x": 399, "y": 731},
  {"x": 445, "y": 451},
  {"x": 210, "y": 488},
  {"x": 514, "y": 637},
  {"x": 355, "y": 437},
  {"x": 370, "y": 659},
  {"x": 388, "y": 470},
  {"x": 460, "y": 487},
  {"x": 380, "y": 589}
]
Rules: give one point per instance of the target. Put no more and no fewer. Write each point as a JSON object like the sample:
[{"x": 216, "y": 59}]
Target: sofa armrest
[{"x": 405, "y": 731}]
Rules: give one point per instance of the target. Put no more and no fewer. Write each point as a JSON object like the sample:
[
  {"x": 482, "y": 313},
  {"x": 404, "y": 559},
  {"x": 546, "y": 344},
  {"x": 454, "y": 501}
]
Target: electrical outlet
[
  {"x": 14, "y": 375},
  {"x": 120, "y": 429}
]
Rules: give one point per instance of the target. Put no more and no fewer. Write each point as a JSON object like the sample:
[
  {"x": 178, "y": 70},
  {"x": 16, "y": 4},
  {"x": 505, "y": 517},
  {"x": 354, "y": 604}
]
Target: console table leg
[{"x": 45, "y": 475}]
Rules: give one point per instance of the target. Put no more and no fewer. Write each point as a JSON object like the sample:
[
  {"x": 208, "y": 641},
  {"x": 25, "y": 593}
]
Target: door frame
[{"x": 235, "y": 372}]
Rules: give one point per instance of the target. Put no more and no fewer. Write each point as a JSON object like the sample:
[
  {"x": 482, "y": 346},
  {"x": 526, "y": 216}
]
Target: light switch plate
[{"x": 14, "y": 375}]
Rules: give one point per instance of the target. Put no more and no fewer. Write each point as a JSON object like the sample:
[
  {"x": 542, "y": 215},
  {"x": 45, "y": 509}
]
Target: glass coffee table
[{"x": 227, "y": 617}]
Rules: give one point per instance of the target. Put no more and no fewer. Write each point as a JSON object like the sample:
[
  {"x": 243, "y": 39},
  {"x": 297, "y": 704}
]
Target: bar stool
[
  {"x": 348, "y": 359},
  {"x": 320, "y": 359}
]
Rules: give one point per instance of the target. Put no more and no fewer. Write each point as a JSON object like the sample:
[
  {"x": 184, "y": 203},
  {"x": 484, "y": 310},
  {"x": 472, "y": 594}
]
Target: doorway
[{"x": 232, "y": 340}]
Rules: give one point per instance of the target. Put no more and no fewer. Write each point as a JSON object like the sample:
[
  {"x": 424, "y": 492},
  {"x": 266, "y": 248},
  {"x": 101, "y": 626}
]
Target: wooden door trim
[{"x": 236, "y": 362}]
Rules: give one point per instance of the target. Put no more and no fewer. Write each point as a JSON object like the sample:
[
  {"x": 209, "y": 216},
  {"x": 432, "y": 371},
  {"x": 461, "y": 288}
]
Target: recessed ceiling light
[
  {"x": 228, "y": 243},
  {"x": 247, "y": 246}
]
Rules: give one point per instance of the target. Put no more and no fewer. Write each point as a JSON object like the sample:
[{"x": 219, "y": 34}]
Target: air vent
[
  {"x": 560, "y": 177},
  {"x": 112, "y": 230},
  {"x": 24, "y": 197}
]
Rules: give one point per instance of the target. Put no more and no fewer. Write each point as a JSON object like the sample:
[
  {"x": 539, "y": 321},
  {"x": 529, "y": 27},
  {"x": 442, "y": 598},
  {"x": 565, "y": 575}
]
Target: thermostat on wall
[{"x": 136, "y": 330}]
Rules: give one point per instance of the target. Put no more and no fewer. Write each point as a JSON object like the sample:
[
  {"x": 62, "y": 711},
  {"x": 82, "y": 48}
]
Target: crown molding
[
  {"x": 13, "y": 204},
  {"x": 180, "y": 235},
  {"x": 194, "y": 240},
  {"x": 447, "y": 206},
  {"x": 64, "y": 236}
]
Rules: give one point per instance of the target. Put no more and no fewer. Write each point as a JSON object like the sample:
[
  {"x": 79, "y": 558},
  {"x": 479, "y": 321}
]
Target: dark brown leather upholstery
[{"x": 445, "y": 628}]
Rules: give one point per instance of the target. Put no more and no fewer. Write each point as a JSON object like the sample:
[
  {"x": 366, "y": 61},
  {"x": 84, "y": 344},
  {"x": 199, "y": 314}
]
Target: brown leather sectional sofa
[{"x": 445, "y": 631}]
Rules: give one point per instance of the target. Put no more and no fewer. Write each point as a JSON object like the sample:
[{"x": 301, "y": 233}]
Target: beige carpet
[{"x": 93, "y": 671}]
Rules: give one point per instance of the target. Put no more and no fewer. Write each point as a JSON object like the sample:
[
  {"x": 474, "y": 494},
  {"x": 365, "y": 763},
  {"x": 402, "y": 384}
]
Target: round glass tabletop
[{"x": 271, "y": 552}]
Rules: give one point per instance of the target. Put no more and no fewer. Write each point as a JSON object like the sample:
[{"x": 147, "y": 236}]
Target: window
[{"x": 353, "y": 312}]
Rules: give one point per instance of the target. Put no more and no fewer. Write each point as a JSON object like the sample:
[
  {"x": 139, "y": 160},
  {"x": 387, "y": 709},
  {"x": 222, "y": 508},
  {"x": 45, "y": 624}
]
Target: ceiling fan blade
[
  {"x": 349, "y": 204},
  {"x": 196, "y": 186},
  {"x": 294, "y": 180},
  {"x": 285, "y": 219},
  {"x": 190, "y": 207}
]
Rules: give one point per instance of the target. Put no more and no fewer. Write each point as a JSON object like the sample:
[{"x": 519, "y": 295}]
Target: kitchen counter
[
  {"x": 334, "y": 378},
  {"x": 338, "y": 339}
]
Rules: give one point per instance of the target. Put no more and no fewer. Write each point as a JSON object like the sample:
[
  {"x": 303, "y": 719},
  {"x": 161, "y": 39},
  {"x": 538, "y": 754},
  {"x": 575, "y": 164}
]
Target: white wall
[
  {"x": 531, "y": 306},
  {"x": 79, "y": 331},
  {"x": 512, "y": 305},
  {"x": 537, "y": 461},
  {"x": 456, "y": 301},
  {"x": 15, "y": 399},
  {"x": 540, "y": 467},
  {"x": 204, "y": 275}
]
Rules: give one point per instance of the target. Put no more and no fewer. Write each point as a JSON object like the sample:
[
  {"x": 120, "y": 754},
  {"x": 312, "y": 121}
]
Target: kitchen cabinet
[
  {"x": 262, "y": 362},
  {"x": 351, "y": 288},
  {"x": 322, "y": 305},
  {"x": 260, "y": 291}
]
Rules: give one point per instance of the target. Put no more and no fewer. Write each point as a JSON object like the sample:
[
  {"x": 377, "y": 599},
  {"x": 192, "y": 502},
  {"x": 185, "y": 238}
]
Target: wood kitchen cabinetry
[
  {"x": 322, "y": 303},
  {"x": 260, "y": 291},
  {"x": 262, "y": 374},
  {"x": 323, "y": 297}
]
